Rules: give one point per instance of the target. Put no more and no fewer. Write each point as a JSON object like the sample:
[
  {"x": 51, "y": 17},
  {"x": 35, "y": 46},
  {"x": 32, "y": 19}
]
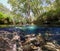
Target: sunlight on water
[{"x": 31, "y": 27}]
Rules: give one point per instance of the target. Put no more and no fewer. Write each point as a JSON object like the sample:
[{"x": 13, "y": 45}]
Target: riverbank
[{"x": 2, "y": 26}]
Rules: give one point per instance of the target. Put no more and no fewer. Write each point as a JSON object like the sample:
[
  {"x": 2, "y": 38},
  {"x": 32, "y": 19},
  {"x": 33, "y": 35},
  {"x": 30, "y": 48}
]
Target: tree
[
  {"x": 50, "y": 18},
  {"x": 25, "y": 7},
  {"x": 4, "y": 9}
]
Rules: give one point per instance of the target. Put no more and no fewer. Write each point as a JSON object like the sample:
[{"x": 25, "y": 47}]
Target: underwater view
[
  {"x": 29, "y": 25},
  {"x": 31, "y": 36}
]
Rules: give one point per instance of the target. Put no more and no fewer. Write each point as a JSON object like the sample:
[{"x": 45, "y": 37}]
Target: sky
[{"x": 4, "y": 2}]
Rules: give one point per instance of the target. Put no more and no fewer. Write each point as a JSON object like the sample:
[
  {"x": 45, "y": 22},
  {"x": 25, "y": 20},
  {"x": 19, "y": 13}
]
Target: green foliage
[
  {"x": 23, "y": 8},
  {"x": 3, "y": 9},
  {"x": 49, "y": 18},
  {"x": 47, "y": 14},
  {"x": 2, "y": 15},
  {"x": 26, "y": 6},
  {"x": 5, "y": 19}
]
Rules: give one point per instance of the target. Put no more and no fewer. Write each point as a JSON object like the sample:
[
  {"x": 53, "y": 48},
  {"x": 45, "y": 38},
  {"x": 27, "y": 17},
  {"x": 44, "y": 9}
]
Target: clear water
[{"x": 35, "y": 30}]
